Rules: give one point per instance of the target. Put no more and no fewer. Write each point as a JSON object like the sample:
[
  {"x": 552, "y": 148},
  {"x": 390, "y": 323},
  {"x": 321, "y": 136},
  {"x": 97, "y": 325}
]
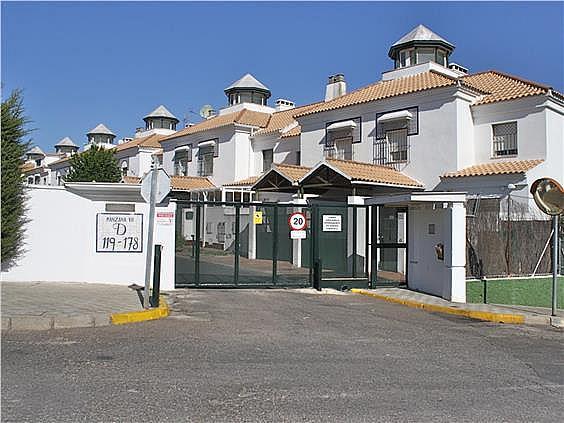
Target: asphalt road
[{"x": 279, "y": 356}]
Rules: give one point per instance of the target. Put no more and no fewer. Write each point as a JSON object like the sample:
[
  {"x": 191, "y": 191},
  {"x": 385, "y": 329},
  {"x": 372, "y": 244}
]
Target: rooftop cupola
[
  {"x": 66, "y": 146},
  {"x": 247, "y": 90},
  {"x": 35, "y": 154},
  {"x": 420, "y": 45},
  {"x": 100, "y": 135},
  {"x": 160, "y": 118}
]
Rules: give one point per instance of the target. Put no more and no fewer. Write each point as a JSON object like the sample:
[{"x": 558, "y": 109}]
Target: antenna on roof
[{"x": 207, "y": 111}]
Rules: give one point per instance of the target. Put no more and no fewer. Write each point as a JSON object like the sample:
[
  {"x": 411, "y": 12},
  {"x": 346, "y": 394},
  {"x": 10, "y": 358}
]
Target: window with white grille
[
  {"x": 340, "y": 136},
  {"x": 181, "y": 158},
  {"x": 267, "y": 158},
  {"x": 393, "y": 128},
  {"x": 339, "y": 148},
  {"x": 504, "y": 141},
  {"x": 397, "y": 141},
  {"x": 412, "y": 124},
  {"x": 205, "y": 161}
]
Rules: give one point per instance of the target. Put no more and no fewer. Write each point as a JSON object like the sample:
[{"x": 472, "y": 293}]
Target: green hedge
[{"x": 536, "y": 292}]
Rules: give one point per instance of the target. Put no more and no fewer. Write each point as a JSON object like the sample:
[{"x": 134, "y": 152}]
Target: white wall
[
  {"x": 425, "y": 271},
  {"x": 531, "y": 128},
  {"x": 432, "y": 151},
  {"x": 445, "y": 278},
  {"x": 60, "y": 243},
  {"x": 233, "y": 162},
  {"x": 284, "y": 150}
]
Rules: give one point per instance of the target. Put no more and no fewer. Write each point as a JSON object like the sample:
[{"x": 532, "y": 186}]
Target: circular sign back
[{"x": 297, "y": 221}]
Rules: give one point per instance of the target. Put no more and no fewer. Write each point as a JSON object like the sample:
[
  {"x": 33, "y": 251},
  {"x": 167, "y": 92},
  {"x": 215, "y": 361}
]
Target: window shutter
[
  {"x": 412, "y": 124},
  {"x": 355, "y": 133},
  {"x": 216, "y": 148}
]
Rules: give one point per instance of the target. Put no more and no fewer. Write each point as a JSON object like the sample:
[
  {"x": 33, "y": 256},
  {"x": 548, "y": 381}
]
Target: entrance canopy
[
  {"x": 281, "y": 178},
  {"x": 436, "y": 241},
  {"x": 363, "y": 178}
]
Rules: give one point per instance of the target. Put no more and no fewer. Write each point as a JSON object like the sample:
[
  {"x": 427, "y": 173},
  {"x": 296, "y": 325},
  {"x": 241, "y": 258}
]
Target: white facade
[
  {"x": 58, "y": 217},
  {"x": 450, "y": 129}
]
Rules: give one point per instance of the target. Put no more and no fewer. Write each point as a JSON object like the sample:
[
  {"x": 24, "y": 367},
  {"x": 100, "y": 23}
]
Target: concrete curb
[
  {"x": 54, "y": 322},
  {"x": 472, "y": 314},
  {"x": 160, "y": 312}
]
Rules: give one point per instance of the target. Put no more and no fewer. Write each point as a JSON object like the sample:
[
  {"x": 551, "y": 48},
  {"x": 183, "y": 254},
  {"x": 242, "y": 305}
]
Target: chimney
[
  {"x": 124, "y": 140},
  {"x": 458, "y": 68},
  {"x": 336, "y": 87},
  {"x": 283, "y": 104}
]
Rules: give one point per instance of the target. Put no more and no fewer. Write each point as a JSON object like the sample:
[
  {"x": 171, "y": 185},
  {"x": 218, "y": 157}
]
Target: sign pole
[
  {"x": 555, "y": 254},
  {"x": 154, "y": 177}
]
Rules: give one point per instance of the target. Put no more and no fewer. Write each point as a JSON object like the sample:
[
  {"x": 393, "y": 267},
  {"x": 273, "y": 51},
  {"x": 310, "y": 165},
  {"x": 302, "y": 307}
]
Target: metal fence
[{"x": 240, "y": 244}]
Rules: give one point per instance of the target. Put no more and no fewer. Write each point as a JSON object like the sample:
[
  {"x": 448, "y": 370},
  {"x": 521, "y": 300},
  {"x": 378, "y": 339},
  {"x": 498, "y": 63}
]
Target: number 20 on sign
[{"x": 297, "y": 221}]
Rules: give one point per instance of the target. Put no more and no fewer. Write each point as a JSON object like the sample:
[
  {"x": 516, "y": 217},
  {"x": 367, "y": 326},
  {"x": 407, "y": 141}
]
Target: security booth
[{"x": 434, "y": 251}]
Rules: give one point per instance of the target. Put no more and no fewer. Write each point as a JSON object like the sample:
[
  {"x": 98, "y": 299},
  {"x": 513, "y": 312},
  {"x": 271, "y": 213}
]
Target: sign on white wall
[
  {"x": 119, "y": 233},
  {"x": 165, "y": 218},
  {"x": 332, "y": 223}
]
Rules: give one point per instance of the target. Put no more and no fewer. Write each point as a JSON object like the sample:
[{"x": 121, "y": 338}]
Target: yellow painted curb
[
  {"x": 472, "y": 314},
  {"x": 160, "y": 312}
]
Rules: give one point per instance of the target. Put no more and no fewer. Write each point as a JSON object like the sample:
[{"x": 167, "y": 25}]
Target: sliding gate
[{"x": 220, "y": 244}]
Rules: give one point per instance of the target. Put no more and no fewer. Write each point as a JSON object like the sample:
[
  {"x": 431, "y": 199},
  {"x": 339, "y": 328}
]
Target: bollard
[
  {"x": 317, "y": 275},
  {"x": 156, "y": 277}
]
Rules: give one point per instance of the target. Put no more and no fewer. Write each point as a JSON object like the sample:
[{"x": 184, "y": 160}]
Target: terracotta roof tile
[
  {"x": 63, "y": 160},
  {"x": 187, "y": 183},
  {"x": 152, "y": 140},
  {"x": 495, "y": 168},
  {"x": 385, "y": 89},
  {"x": 292, "y": 172},
  {"x": 294, "y": 132},
  {"x": 244, "y": 117},
  {"x": 280, "y": 120},
  {"x": 501, "y": 86},
  {"x": 495, "y": 85},
  {"x": 131, "y": 180},
  {"x": 243, "y": 182},
  {"x": 367, "y": 172},
  {"x": 27, "y": 166}
]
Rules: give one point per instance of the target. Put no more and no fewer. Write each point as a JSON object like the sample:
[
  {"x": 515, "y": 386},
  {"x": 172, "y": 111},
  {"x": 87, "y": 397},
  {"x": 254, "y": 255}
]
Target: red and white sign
[
  {"x": 165, "y": 218},
  {"x": 297, "y": 221}
]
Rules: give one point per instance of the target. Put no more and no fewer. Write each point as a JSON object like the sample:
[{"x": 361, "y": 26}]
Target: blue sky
[{"x": 80, "y": 64}]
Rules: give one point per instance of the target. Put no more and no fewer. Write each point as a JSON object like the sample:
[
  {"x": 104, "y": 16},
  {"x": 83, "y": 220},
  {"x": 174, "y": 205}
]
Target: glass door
[{"x": 389, "y": 260}]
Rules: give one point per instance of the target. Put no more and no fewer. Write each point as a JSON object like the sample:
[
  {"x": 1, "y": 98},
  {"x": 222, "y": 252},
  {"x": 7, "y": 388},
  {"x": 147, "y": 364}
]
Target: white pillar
[
  {"x": 454, "y": 287},
  {"x": 252, "y": 234},
  {"x": 297, "y": 243}
]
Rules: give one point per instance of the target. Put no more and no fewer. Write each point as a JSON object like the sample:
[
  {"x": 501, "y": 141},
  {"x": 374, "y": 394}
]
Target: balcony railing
[
  {"x": 392, "y": 151},
  {"x": 505, "y": 145}
]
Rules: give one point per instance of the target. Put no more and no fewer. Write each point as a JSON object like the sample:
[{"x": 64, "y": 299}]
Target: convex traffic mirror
[{"x": 549, "y": 196}]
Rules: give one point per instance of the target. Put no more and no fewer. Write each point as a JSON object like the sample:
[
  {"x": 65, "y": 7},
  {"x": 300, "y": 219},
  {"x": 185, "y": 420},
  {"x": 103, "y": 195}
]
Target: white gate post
[{"x": 454, "y": 287}]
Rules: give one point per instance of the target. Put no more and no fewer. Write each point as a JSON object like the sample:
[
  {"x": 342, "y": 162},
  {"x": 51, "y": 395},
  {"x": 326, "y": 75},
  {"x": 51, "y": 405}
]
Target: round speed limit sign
[{"x": 297, "y": 221}]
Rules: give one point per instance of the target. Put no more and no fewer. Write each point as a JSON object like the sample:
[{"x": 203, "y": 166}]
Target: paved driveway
[{"x": 282, "y": 356}]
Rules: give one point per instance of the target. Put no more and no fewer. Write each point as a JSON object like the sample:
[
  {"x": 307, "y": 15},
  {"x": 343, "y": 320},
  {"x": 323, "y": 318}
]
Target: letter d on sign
[{"x": 120, "y": 228}]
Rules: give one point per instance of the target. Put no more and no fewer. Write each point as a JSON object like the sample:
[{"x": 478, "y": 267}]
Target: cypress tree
[
  {"x": 14, "y": 148},
  {"x": 94, "y": 165}
]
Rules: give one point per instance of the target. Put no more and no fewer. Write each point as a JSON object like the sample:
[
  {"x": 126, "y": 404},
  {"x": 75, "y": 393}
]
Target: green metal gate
[{"x": 220, "y": 244}]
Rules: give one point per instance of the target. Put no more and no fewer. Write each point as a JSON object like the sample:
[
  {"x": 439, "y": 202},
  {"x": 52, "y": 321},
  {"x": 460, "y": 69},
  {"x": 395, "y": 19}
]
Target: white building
[
  {"x": 135, "y": 155},
  {"x": 37, "y": 166},
  {"x": 423, "y": 144}
]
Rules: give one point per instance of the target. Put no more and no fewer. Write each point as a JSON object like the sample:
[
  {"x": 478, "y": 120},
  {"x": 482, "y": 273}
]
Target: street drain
[{"x": 104, "y": 357}]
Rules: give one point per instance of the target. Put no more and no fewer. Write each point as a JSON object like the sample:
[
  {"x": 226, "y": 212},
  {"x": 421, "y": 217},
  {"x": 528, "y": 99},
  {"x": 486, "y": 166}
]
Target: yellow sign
[{"x": 257, "y": 218}]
